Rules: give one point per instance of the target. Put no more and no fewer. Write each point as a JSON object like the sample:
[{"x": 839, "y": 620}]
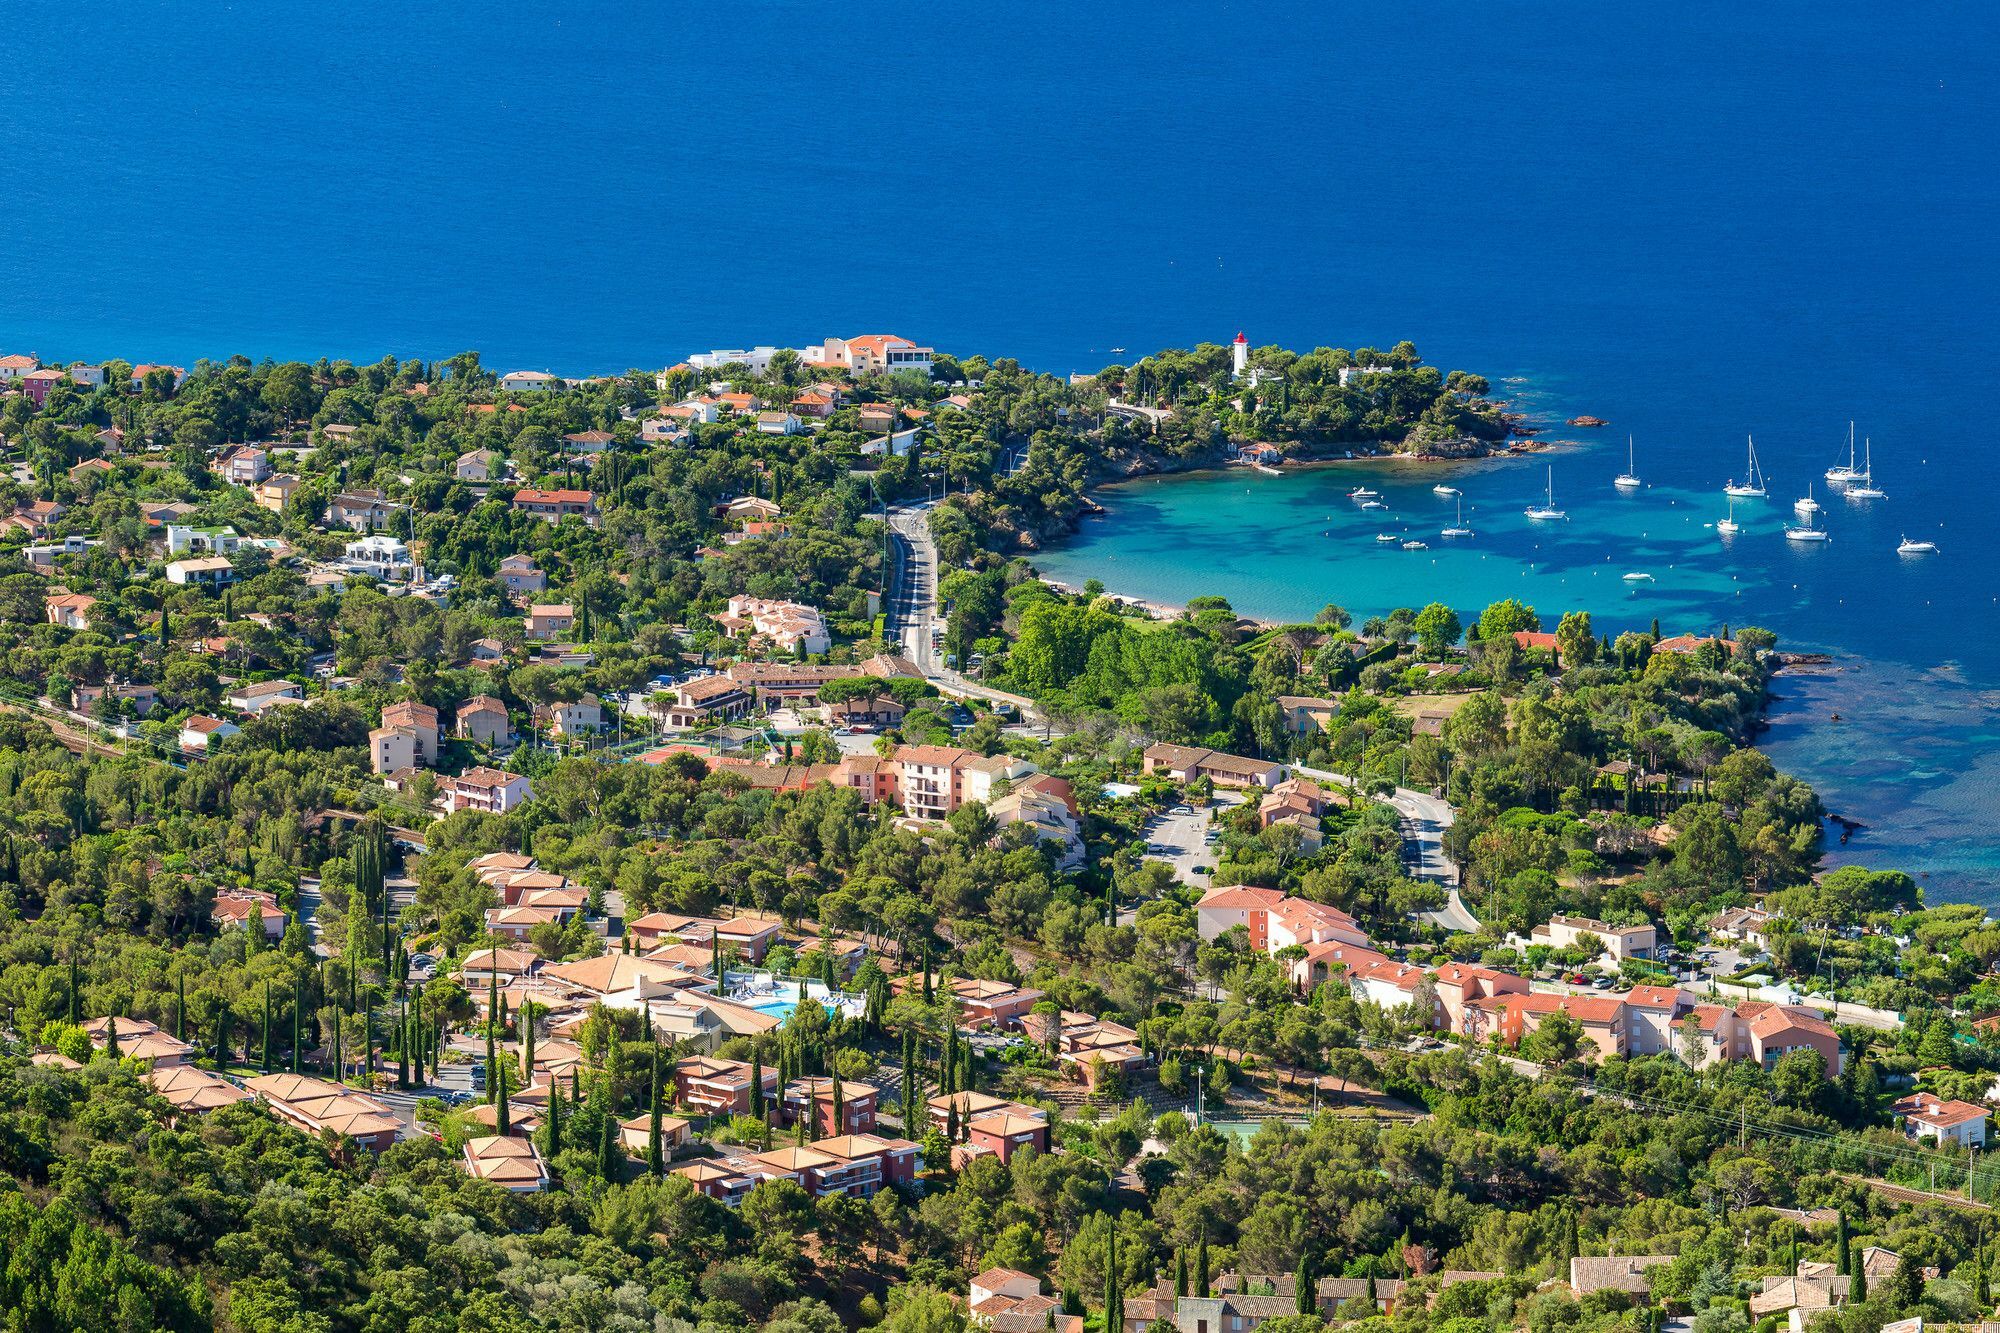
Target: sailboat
[
  {"x": 1363, "y": 493},
  {"x": 1753, "y": 488},
  {"x": 1729, "y": 527},
  {"x": 1864, "y": 487},
  {"x": 1628, "y": 480},
  {"x": 1840, "y": 476},
  {"x": 1806, "y": 506},
  {"x": 1806, "y": 532},
  {"x": 1458, "y": 529},
  {"x": 1547, "y": 510}
]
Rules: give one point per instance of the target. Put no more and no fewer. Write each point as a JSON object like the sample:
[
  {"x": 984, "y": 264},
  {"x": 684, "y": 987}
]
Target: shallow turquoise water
[{"x": 1916, "y": 755}]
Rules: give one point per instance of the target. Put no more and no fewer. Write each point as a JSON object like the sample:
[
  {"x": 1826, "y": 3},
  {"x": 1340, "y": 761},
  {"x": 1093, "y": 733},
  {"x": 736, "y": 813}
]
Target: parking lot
[{"x": 1179, "y": 838}]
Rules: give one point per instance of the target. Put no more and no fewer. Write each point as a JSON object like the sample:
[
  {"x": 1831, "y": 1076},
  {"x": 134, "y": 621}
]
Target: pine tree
[{"x": 656, "y": 1162}]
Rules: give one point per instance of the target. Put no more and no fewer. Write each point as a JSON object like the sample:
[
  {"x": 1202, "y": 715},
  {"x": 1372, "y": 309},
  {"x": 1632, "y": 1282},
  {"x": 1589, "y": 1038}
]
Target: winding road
[{"x": 1424, "y": 820}]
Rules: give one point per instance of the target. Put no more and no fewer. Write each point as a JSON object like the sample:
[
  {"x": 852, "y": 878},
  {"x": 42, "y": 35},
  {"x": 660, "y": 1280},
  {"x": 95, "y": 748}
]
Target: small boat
[
  {"x": 1416, "y": 546},
  {"x": 1753, "y": 488},
  {"x": 1628, "y": 480},
  {"x": 1116, "y": 351},
  {"x": 1863, "y": 486},
  {"x": 1806, "y": 532},
  {"x": 1908, "y": 547},
  {"x": 1729, "y": 527},
  {"x": 1387, "y": 538},
  {"x": 1373, "y": 504},
  {"x": 1840, "y": 476},
  {"x": 1805, "y": 506},
  {"x": 1546, "y": 510},
  {"x": 1363, "y": 493},
  {"x": 1638, "y": 578},
  {"x": 1458, "y": 529},
  {"x": 1446, "y": 491}
]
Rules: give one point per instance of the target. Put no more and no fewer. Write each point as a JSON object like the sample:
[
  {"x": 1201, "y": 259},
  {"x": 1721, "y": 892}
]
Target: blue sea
[{"x": 1698, "y": 221}]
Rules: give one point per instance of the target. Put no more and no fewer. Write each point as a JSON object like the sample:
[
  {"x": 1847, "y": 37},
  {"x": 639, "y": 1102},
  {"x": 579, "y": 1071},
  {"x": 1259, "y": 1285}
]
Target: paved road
[
  {"x": 912, "y": 610},
  {"x": 1424, "y": 819}
]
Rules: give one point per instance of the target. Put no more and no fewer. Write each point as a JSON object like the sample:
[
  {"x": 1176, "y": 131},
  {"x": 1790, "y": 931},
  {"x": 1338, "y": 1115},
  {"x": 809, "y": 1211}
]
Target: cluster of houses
[{"x": 1321, "y": 943}]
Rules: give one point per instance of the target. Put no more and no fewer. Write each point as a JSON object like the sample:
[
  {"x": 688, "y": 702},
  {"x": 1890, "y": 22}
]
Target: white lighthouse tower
[{"x": 1239, "y": 354}]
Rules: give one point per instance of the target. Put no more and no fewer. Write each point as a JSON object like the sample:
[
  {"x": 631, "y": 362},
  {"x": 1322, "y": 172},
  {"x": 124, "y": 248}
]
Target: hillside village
[{"x": 584, "y": 800}]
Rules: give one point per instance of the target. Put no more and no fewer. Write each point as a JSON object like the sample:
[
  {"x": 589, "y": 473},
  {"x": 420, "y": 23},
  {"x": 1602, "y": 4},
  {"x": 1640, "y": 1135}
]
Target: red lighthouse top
[{"x": 1240, "y": 338}]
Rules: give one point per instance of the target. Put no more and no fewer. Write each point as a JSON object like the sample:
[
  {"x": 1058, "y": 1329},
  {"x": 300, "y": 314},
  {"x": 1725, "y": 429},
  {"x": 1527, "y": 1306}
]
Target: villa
[{"x": 1186, "y": 763}]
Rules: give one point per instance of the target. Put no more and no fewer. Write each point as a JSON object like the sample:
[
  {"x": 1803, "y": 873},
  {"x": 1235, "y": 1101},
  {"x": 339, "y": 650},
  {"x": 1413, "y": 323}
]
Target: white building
[
  {"x": 198, "y": 731},
  {"x": 529, "y": 381},
  {"x": 484, "y": 789},
  {"x": 757, "y": 360},
  {"x": 221, "y": 540},
  {"x": 382, "y": 556},
  {"x": 788, "y": 625},
  {"x": 1957, "y": 1124}
]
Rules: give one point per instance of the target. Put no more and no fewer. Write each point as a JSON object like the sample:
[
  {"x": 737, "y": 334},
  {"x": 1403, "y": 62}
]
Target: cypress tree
[
  {"x": 1112, "y": 1319},
  {"x": 1306, "y": 1297},
  {"x": 298, "y": 1019},
  {"x": 222, "y": 1032},
  {"x": 839, "y": 1106},
  {"x": 492, "y": 1019},
  {"x": 552, "y": 1130},
  {"x": 111, "y": 1036},
  {"x": 757, "y": 1083},
  {"x": 1201, "y": 1265},
  {"x": 527, "y": 1044},
  {"x": 1843, "y": 1256},
  {"x": 403, "y": 1044},
  {"x": 338, "y": 1071},
  {"x": 1983, "y": 1292},
  {"x": 1180, "y": 1270},
  {"x": 502, "y": 1122},
  {"x": 368, "y": 1035},
  {"x": 607, "y": 1149},
  {"x": 656, "y": 1162},
  {"x": 180, "y": 1003},
  {"x": 1857, "y": 1289},
  {"x": 575, "y": 1086},
  {"x": 264, "y": 1060},
  {"x": 75, "y": 994},
  {"x": 966, "y": 1082}
]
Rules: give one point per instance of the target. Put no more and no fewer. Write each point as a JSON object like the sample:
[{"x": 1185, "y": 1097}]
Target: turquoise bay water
[{"x": 1915, "y": 754}]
